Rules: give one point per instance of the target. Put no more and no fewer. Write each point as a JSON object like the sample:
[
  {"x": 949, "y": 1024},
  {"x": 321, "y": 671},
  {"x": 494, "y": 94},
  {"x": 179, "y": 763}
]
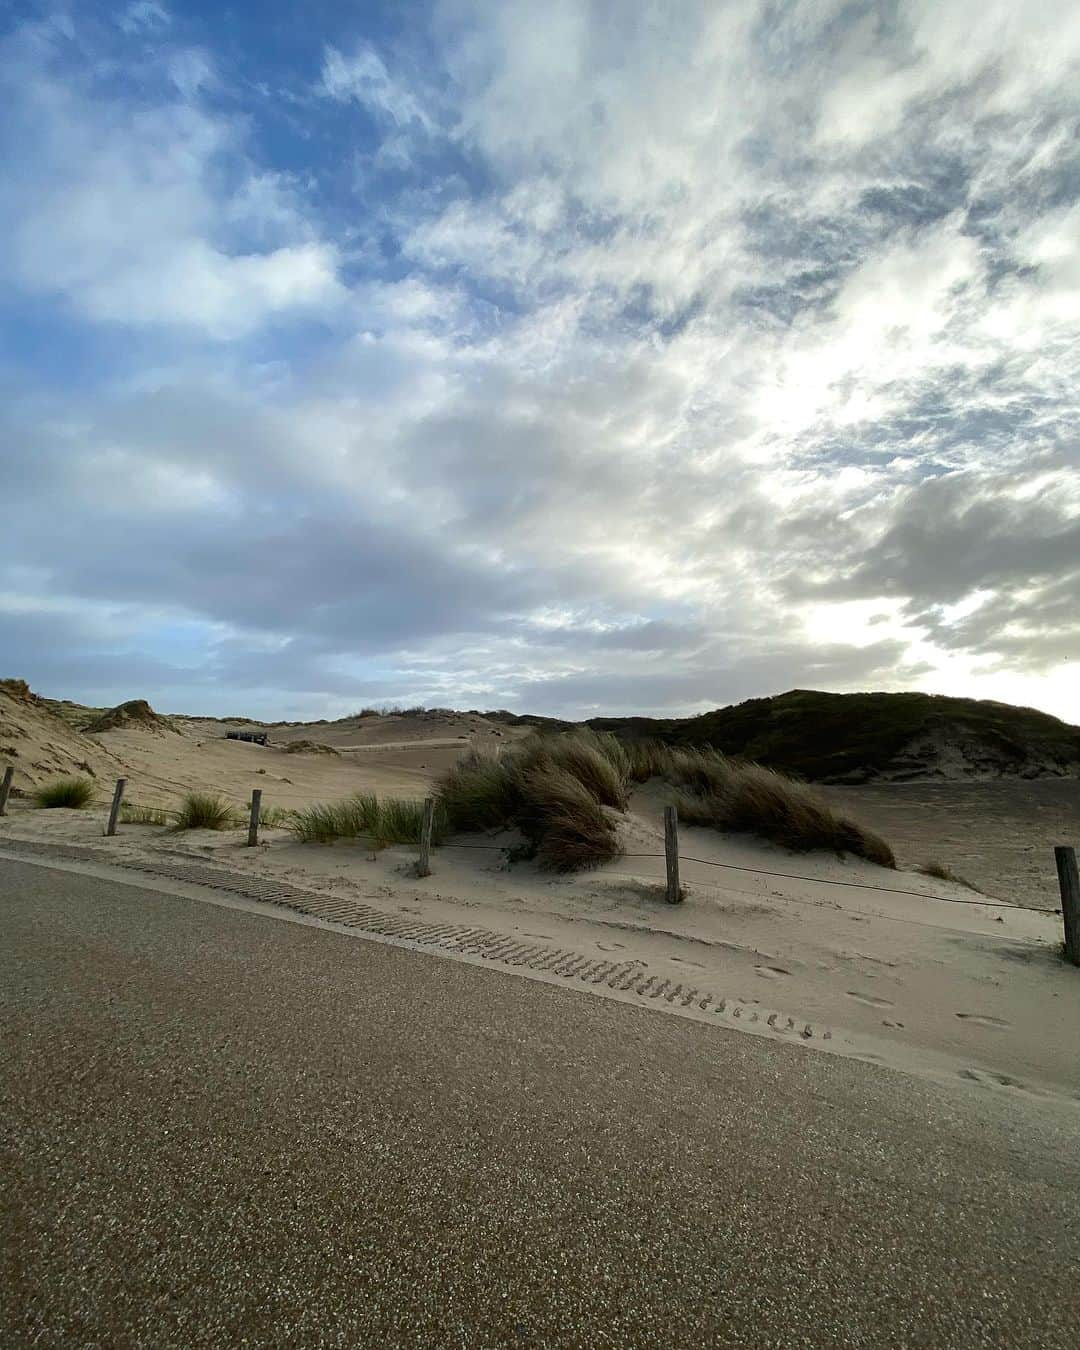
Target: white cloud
[
  {"x": 664, "y": 360},
  {"x": 363, "y": 77},
  {"x": 139, "y": 213}
]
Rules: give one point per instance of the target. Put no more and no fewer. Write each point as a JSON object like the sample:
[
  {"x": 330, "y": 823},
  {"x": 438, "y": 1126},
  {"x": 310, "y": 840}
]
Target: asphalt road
[{"x": 223, "y": 1130}]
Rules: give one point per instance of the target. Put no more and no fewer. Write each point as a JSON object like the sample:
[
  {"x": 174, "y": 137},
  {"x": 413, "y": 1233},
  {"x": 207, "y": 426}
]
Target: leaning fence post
[
  {"x": 1069, "y": 882},
  {"x": 253, "y": 823},
  {"x": 5, "y": 788},
  {"x": 671, "y": 849},
  {"x": 114, "y": 811},
  {"x": 423, "y": 863}
]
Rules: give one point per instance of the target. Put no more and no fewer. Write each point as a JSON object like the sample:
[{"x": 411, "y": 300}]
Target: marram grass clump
[
  {"x": 725, "y": 794},
  {"x": 206, "y": 811},
  {"x": 393, "y": 820},
  {"x": 74, "y": 793},
  {"x": 327, "y": 821},
  {"x": 559, "y": 791}
]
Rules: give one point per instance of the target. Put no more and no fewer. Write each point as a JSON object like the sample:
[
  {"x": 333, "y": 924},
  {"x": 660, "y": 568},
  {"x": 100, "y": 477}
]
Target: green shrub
[
  {"x": 206, "y": 811},
  {"x": 74, "y": 793}
]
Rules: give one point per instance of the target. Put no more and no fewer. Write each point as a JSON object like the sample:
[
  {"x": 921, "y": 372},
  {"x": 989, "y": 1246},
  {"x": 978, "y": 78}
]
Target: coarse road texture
[{"x": 220, "y": 1129}]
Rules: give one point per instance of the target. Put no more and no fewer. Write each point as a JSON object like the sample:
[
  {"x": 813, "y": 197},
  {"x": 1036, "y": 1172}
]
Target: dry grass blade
[
  {"x": 130, "y": 814},
  {"x": 942, "y": 873}
]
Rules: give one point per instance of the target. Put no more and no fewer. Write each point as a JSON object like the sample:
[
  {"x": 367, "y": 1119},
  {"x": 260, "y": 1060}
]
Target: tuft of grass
[
  {"x": 553, "y": 788},
  {"x": 566, "y": 822},
  {"x": 131, "y": 814},
  {"x": 598, "y": 762},
  {"x": 482, "y": 791},
  {"x": 942, "y": 873},
  {"x": 206, "y": 811},
  {"x": 275, "y": 817},
  {"x": 393, "y": 820},
  {"x": 747, "y": 798},
  {"x": 399, "y": 821},
  {"x": 74, "y": 793},
  {"x": 322, "y": 824}
]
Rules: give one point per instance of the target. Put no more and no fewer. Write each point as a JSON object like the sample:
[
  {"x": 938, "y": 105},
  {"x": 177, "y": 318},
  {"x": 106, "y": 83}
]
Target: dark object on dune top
[
  {"x": 135, "y": 713},
  {"x": 19, "y": 690},
  {"x": 857, "y": 738},
  {"x": 255, "y": 737}
]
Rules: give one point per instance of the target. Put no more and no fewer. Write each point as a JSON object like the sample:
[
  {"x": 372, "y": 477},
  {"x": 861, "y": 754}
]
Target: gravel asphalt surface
[{"x": 220, "y": 1129}]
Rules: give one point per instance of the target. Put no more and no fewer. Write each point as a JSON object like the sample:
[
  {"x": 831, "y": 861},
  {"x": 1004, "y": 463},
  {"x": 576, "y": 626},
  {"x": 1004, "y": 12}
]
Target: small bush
[
  {"x": 74, "y": 793},
  {"x": 143, "y": 815},
  {"x": 322, "y": 824},
  {"x": 206, "y": 811}
]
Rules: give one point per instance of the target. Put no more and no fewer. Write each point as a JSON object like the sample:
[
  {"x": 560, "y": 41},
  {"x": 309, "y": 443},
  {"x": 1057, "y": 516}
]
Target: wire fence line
[
  {"x": 753, "y": 871},
  {"x": 798, "y": 876}
]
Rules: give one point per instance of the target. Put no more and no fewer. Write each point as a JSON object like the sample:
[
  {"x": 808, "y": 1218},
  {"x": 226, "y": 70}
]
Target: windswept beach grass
[{"x": 74, "y": 793}]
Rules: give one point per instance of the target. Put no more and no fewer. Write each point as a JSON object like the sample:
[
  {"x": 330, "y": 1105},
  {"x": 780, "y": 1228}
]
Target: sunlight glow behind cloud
[{"x": 570, "y": 357}]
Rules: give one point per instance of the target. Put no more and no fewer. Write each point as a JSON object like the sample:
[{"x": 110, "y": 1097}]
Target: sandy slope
[{"x": 937, "y": 986}]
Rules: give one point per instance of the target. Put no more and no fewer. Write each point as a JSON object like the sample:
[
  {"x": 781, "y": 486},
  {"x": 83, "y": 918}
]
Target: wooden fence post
[
  {"x": 114, "y": 810},
  {"x": 253, "y": 823},
  {"x": 423, "y": 863},
  {"x": 5, "y": 788},
  {"x": 1069, "y": 882},
  {"x": 671, "y": 849}
]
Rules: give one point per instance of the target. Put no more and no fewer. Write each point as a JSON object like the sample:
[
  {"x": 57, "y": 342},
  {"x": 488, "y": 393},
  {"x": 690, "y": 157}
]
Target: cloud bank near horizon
[{"x": 573, "y": 358}]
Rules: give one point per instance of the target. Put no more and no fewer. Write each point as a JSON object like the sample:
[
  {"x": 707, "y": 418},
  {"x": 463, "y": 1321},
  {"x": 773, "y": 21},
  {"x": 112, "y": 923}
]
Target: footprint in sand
[
  {"x": 983, "y": 1020},
  {"x": 615, "y": 947},
  {"x": 1002, "y": 1079},
  {"x": 685, "y": 961},
  {"x": 869, "y": 999},
  {"x": 771, "y": 972},
  {"x": 885, "y": 1022}
]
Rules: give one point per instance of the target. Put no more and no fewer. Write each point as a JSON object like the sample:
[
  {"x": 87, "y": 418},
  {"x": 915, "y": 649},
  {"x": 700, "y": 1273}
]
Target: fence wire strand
[{"x": 752, "y": 871}]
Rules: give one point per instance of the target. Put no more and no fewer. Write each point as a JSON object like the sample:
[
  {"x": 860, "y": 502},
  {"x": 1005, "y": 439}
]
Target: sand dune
[{"x": 941, "y": 982}]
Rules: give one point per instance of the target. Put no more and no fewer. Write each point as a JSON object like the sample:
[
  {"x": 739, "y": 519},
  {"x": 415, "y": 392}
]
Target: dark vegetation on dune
[
  {"x": 135, "y": 712},
  {"x": 858, "y": 737}
]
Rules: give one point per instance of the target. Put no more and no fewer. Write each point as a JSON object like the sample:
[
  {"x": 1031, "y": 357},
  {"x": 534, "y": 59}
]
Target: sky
[{"x": 585, "y": 357}]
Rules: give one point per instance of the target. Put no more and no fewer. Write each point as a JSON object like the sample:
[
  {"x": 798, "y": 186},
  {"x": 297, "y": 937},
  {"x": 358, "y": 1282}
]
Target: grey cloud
[
  {"x": 951, "y": 536},
  {"x": 655, "y": 380}
]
